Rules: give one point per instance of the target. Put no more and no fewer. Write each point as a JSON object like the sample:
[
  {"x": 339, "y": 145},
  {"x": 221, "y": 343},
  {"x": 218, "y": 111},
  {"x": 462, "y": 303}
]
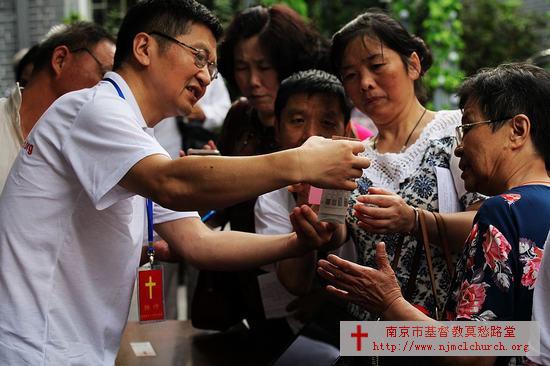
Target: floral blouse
[
  {"x": 496, "y": 274},
  {"x": 411, "y": 174},
  {"x": 495, "y": 277}
]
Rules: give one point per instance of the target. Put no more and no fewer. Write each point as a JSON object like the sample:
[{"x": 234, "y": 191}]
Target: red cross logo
[{"x": 359, "y": 335}]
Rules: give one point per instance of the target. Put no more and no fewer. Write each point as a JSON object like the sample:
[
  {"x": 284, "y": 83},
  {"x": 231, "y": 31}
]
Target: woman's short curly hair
[{"x": 290, "y": 43}]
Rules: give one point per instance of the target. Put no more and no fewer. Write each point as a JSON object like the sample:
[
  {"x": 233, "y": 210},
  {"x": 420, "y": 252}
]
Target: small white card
[
  {"x": 143, "y": 349},
  {"x": 446, "y": 192}
]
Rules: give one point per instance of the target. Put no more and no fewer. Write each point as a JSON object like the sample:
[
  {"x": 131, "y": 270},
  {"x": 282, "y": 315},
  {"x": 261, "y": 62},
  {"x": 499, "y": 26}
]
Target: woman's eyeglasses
[{"x": 463, "y": 129}]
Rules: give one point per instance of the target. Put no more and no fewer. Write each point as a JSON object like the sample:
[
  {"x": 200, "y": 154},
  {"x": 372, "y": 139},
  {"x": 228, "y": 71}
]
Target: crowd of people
[{"x": 447, "y": 219}]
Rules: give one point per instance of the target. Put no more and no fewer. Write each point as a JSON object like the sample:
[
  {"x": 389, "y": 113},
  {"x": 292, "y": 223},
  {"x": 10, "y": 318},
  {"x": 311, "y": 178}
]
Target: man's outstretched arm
[{"x": 205, "y": 182}]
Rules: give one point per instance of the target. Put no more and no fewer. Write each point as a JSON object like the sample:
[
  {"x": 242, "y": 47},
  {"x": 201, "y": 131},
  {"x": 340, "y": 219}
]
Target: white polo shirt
[{"x": 70, "y": 237}]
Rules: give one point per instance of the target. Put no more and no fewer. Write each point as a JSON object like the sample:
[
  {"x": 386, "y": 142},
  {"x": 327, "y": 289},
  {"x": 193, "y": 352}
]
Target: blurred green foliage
[{"x": 497, "y": 32}]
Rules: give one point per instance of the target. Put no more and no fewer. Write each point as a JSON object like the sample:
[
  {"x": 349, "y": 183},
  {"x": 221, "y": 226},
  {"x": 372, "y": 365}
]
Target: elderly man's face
[
  {"x": 309, "y": 115},
  {"x": 483, "y": 153},
  {"x": 84, "y": 67}
]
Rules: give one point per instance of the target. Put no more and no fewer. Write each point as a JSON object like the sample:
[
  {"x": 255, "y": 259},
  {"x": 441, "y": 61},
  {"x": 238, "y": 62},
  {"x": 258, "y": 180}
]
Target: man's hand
[
  {"x": 329, "y": 163},
  {"x": 382, "y": 211},
  {"x": 311, "y": 233},
  {"x": 370, "y": 288}
]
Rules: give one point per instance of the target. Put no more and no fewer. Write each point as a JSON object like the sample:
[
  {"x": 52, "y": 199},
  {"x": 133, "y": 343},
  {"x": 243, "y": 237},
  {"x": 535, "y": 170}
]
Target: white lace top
[
  {"x": 389, "y": 170},
  {"x": 411, "y": 174}
]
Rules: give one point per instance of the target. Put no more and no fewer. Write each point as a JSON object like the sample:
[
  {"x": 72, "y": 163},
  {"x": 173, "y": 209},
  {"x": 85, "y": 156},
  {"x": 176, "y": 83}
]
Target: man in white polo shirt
[{"x": 72, "y": 209}]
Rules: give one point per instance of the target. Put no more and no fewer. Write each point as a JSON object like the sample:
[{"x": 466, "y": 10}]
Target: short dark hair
[
  {"x": 74, "y": 36},
  {"x": 312, "y": 82},
  {"x": 375, "y": 23},
  {"x": 27, "y": 59},
  {"x": 510, "y": 89},
  {"x": 290, "y": 43},
  {"x": 171, "y": 17}
]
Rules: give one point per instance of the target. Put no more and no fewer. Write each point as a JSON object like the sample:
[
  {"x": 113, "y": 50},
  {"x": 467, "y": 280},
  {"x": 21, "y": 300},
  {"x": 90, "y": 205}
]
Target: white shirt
[
  {"x": 272, "y": 210},
  {"x": 11, "y": 138},
  {"x": 541, "y": 299},
  {"x": 70, "y": 236}
]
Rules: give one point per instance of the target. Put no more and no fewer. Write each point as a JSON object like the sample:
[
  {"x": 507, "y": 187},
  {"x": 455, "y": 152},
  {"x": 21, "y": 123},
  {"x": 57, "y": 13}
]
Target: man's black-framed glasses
[
  {"x": 102, "y": 67},
  {"x": 462, "y": 130},
  {"x": 201, "y": 56}
]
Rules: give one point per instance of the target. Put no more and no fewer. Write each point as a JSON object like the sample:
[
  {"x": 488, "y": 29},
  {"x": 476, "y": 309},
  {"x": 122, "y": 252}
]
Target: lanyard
[{"x": 148, "y": 203}]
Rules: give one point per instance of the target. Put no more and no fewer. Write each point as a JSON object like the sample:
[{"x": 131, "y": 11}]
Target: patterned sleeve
[
  {"x": 487, "y": 289},
  {"x": 499, "y": 270}
]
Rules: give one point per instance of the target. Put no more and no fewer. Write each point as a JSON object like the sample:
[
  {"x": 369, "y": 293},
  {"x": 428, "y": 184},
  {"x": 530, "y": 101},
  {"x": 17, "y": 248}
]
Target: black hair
[
  {"x": 376, "y": 24},
  {"x": 510, "y": 89},
  {"x": 27, "y": 59},
  {"x": 74, "y": 36},
  {"x": 171, "y": 17},
  {"x": 289, "y": 42},
  {"x": 312, "y": 82}
]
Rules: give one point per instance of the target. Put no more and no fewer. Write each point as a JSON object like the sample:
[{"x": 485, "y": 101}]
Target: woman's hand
[
  {"x": 372, "y": 289},
  {"x": 382, "y": 212}
]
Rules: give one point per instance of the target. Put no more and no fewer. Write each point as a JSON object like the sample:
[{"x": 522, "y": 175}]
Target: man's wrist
[{"x": 298, "y": 163}]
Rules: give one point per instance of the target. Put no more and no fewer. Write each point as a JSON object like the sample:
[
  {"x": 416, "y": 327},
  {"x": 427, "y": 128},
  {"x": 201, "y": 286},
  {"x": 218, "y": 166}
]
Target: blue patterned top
[{"x": 411, "y": 174}]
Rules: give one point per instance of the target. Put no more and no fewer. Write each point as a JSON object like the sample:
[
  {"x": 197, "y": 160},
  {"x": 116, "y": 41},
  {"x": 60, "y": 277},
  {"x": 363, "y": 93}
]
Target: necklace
[{"x": 410, "y": 134}]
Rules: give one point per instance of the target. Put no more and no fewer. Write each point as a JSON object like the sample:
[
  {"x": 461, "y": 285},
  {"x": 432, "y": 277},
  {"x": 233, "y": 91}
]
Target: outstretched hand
[
  {"x": 370, "y": 288},
  {"x": 382, "y": 211},
  {"x": 311, "y": 233},
  {"x": 329, "y": 163}
]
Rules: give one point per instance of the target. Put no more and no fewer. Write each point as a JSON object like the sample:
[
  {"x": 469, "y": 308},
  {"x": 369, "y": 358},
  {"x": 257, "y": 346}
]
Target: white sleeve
[
  {"x": 215, "y": 104},
  {"x": 271, "y": 213},
  {"x": 103, "y": 144},
  {"x": 162, "y": 214}
]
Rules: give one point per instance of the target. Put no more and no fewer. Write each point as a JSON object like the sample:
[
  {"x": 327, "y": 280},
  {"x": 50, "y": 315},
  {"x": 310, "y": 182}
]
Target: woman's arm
[
  {"x": 377, "y": 290},
  {"x": 382, "y": 211}
]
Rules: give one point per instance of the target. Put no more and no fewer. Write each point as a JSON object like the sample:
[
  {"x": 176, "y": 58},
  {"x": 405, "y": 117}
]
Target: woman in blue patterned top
[
  {"x": 504, "y": 152},
  {"x": 412, "y": 162}
]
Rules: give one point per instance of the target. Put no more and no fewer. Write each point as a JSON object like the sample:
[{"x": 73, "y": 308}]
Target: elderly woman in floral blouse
[{"x": 504, "y": 152}]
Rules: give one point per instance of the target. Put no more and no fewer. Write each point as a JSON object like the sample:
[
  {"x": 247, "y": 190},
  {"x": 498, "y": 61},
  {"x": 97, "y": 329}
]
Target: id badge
[{"x": 150, "y": 294}]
